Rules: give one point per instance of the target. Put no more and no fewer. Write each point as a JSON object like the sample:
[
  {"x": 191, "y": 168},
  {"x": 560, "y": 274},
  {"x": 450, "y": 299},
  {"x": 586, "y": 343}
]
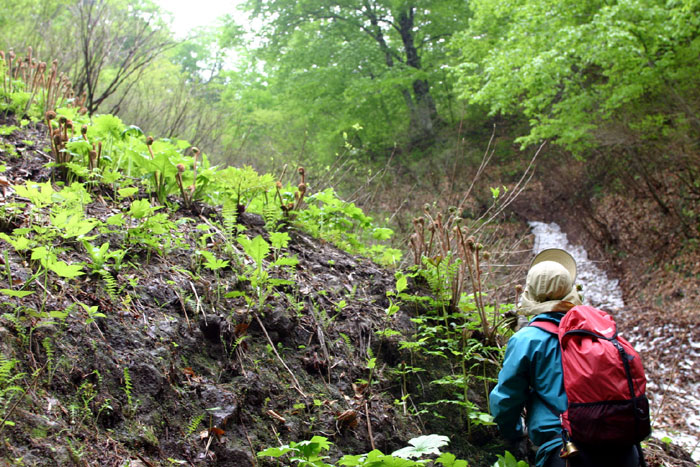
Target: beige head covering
[{"x": 550, "y": 287}]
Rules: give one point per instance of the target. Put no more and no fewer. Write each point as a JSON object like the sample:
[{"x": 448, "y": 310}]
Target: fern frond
[
  {"x": 6, "y": 366},
  {"x": 229, "y": 212},
  {"x": 110, "y": 284},
  {"x": 194, "y": 423},
  {"x": 272, "y": 214}
]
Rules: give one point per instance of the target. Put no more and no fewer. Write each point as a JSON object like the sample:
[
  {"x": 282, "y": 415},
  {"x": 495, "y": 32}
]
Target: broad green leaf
[
  {"x": 58, "y": 314},
  {"x": 39, "y": 194},
  {"x": 116, "y": 220},
  {"x": 401, "y": 282},
  {"x": 132, "y": 130},
  {"x": 371, "y": 363},
  {"x": 509, "y": 460},
  {"x": 257, "y": 248},
  {"x": 78, "y": 227},
  {"x": 422, "y": 445},
  {"x": 18, "y": 243},
  {"x": 381, "y": 233},
  {"x": 41, "y": 254},
  {"x": 286, "y": 261},
  {"x": 127, "y": 192},
  {"x": 450, "y": 460},
  {"x": 276, "y": 452},
  {"x": 482, "y": 417},
  {"x": 141, "y": 208},
  {"x": 212, "y": 262},
  {"x": 111, "y": 176},
  {"x": 279, "y": 240},
  {"x": 67, "y": 270},
  {"x": 106, "y": 126},
  {"x": 16, "y": 293}
]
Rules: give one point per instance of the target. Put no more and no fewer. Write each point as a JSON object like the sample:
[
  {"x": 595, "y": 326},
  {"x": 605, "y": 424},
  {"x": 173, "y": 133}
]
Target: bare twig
[
  {"x": 184, "y": 309},
  {"x": 369, "y": 427},
  {"x": 199, "y": 307},
  {"x": 514, "y": 192},
  {"x": 250, "y": 443},
  {"x": 488, "y": 154},
  {"x": 295, "y": 384}
]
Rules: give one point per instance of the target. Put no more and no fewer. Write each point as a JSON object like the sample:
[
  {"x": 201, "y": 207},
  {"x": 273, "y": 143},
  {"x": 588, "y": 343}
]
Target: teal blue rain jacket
[{"x": 532, "y": 365}]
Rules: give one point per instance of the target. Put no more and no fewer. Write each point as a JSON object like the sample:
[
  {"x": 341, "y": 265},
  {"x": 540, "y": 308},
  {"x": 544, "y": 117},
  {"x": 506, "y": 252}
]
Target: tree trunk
[{"x": 424, "y": 116}]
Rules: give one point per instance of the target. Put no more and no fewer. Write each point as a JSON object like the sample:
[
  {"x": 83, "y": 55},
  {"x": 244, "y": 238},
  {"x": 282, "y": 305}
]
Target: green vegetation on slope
[
  {"x": 365, "y": 97},
  {"x": 143, "y": 287}
]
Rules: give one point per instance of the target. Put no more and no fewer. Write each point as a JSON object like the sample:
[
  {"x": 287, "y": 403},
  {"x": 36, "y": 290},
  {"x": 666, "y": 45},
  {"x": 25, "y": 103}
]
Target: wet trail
[
  {"x": 598, "y": 290},
  {"x": 665, "y": 387}
]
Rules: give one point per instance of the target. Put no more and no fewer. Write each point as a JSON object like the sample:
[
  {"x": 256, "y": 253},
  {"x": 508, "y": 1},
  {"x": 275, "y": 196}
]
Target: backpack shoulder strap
[
  {"x": 547, "y": 326},
  {"x": 551, "y": 328}
]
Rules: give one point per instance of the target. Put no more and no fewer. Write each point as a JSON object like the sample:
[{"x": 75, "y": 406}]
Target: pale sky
[{"x": 189, "y": 14}]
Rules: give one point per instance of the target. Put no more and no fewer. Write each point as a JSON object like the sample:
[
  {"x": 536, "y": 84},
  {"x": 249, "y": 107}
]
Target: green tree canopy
[
  {"x": 372, "y": 62},
  {"x": 570, "y": 66},
  {"x": 615, "y": 81}
]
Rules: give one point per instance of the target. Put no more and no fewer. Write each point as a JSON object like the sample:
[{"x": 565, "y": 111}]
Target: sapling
[
  {"x": 214, "y": 264},
  {"x": 178, "y": 179}
]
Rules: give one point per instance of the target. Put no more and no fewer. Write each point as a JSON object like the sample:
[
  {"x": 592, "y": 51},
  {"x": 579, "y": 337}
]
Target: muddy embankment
[{"x": 164, "y": 361}]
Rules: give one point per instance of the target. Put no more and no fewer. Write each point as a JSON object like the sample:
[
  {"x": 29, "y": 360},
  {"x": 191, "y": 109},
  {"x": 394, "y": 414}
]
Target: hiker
[{"x": 532, "y": 376}]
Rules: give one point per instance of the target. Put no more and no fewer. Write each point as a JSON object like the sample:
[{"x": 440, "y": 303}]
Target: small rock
[
  {"x": 222, "y": 405},
  {"x": 278, "y": 324}
]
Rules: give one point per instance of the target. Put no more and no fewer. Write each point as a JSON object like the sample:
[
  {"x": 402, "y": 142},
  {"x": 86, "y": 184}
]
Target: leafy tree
[
  {"x": 612, "y": 80},
  {"x": 44, "y": 25},
  {"x": 365, "y": 61},
  {"x": 200, "y": 56},
  {"x": 571, "y": 66}
]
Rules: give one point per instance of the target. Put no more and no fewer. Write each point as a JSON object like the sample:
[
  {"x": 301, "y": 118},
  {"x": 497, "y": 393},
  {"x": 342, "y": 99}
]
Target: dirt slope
[{"x": 176, "y": 371}]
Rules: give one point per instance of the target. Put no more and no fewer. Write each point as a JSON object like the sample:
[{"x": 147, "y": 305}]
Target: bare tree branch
[{"x": 121, "y": 40}]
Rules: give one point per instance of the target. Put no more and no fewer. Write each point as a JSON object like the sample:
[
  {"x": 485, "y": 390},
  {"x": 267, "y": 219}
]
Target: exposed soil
[{"x": 176, "y": 372}]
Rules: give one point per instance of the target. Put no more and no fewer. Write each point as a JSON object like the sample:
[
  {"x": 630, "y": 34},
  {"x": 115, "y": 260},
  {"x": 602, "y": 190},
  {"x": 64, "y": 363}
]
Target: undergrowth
[{"x": 154, "y": 186}]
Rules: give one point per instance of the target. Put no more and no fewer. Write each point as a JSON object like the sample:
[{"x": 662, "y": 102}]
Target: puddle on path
[{"x": 605, "y": 293}]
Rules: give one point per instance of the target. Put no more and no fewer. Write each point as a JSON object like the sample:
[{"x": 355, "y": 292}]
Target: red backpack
[{"x": 603, "y": 378}]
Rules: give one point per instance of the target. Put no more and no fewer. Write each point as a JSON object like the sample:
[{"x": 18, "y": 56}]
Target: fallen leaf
[
  {"x": 217, "y": 431},
  {"x": 359, "y": 389},
  {"x": 240, "y": 329},
  {"x": 349, "y": 418}
]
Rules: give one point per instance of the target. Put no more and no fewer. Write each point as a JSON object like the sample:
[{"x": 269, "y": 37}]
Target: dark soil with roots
[{"x": 177, "y": 373}]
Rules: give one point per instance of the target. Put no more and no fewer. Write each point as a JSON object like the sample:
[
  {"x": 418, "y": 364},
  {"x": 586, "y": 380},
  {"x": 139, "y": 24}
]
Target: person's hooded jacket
[{"x": 532, "y": 369}]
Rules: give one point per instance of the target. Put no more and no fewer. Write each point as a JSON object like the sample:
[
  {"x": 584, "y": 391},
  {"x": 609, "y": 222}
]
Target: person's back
[
  {"x": 532, "y": 365},
  {"x": 532, "y": 376}
]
